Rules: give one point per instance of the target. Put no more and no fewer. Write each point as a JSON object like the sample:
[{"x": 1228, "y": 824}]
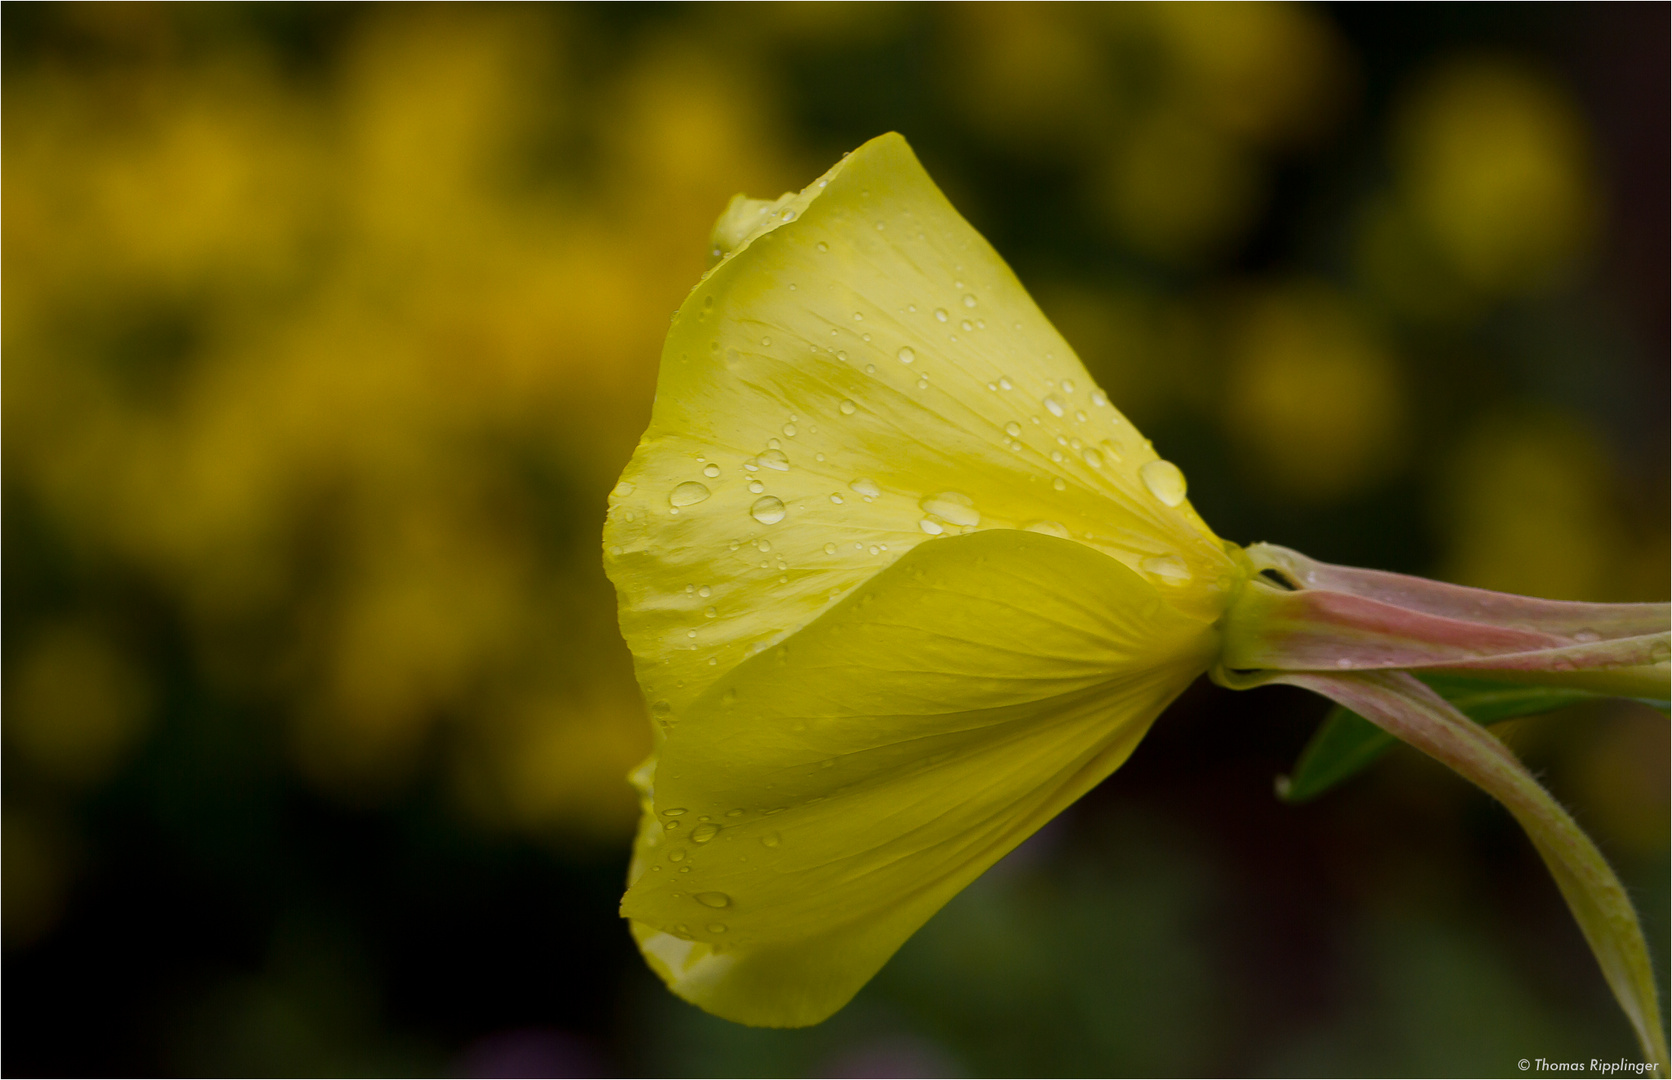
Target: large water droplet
[
  {"x": 866, "y": 488},
  {"x": 768, "y": 510},
  {"x": 1013, "y": 429},
  {"x": 688, "y": 494},
  {"x": 906, "y": 354},
  {"x": 774, "y": 459},
  {"x": 848, "y": 408},
  {"x": 1052, "y": 404},
  {"x": 952, "y": 506},
  {"x": 1169, "y": 568},
  {"x": 711, "y": 470},
  {"x": 930, "y": 527},
  {"x": 1164, "y": 481},
  {"x": 713, "y": 899},
  {"x": 705, "y": 832},
  {"x": 705, "y": 591}
]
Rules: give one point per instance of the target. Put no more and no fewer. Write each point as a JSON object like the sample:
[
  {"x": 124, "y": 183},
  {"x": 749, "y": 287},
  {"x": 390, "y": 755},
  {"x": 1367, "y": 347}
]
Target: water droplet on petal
[
  {"x": 709, "y": 612},
  {"x": 927, "y": 526},
  {"x": 952, "y": 506},
  {"x": 705, "y": 832},
  {"x": 774, "y": 459},
  {"x": 835, "y": 498},
  {"x": 1099, "y": 398},
  {"x": 940, "y": 314},
  {"x": 906, "y": 354},
  {"x": 821, "y": 245},
  {"x": 1060, "y": 484},
  {"x": 1169, "y": 568},
  {"x": 830, "y": 549},
  {"x": 771, "y": 839},
  {"x": 859, "y": 316},
  {"x": 768, "y": 510},
  {"x": 1052, "y": 404},
  {"x": 789, "y": 430},
  {"x": 1068, "y": 386},
  {"x": 1093, "y": 458},
  {"x": 676, "y": 855},
  {"x": 713, "y": 899},
  {"x": 705, "y": 591},
  {"x": 624, "y": 489},
  {"x": 1013, "y": 429},
  {"x": 1048, "y": 528},
  {"x": 969, "y": 300},
  {"x": 848, "y": 408},
  {"x": 866, "y": 488},
  {"x": 756, "y": 487},
  {"x": 711, "y": 470},
  {"x": 1005, "y": 383},
  {"x": 1164, "y": 481},
  {"x": 688, "y": 494}
]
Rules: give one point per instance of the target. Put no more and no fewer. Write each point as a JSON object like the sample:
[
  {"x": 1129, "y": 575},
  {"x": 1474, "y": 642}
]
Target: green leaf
[{"x": 1346, "y": 743}]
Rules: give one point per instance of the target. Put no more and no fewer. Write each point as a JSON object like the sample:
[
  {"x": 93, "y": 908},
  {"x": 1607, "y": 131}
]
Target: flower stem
[{"x": 1404, "y": 707}]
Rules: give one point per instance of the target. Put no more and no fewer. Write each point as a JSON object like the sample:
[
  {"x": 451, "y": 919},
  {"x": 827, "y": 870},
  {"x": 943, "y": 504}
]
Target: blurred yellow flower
[{"x": 853, "y": 722}]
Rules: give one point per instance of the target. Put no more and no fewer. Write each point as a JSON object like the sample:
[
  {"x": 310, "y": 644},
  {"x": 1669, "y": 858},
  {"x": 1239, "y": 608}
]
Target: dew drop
[
  {"x": 1093, "y": 458},
  {"x": 705, "y": 591},
  {"x": 1056, "y": 455},
  {"x": 1169, "y": 568},
  {"x": 940, "y": 314},
  {"x": 1060, "y": 484},
  {"x": 676, "y": 855},
  {"x": 789, "y": 430},
  {"x": 923, "y": 383},
  {"x": 703, "y": 833},
  {"x": 848, "y": 408},
  {"x": 711, "y": 470},
  {"x": 1080, "y": 416},
  {"x": 1068, "y": 386},
  {"x": 709, "y": 613},
  {"x": 624, "y": 489},
  {"x": 930, "y": 527},
  {"x": 716, "y": 928},
  {"x": 865, "y": 487},
  {"x": 766, "y": 341},
  {"x": 1013, "y": 429},
  {"x": 966, "y": 326},
  {"x": 830, "y": 549},
  {"x": 836, "y": 498},
  {"x": 738, "y": 812},
  {"x": 906, "y": 354},
  {"x": 775, "y": 459},
  {"x": 713, "y": 899},
  {"x": 842, "y": 356},
  {"x": 822, "y": 246},
  {"x": 952, "y": 506},
  {"x": 688, "y": 494},
  {"x": 859, "y": 316},
  {"x": 969, "y": 300},
  {"x": 1098, "y": 398},
  {"x": 1052, "y": 404},
  {"x": 771, "y": 839},
  {"x": 756, "y": 487},
  {"x": 1005, "y": 383},
  {"x": 768, "y": 510},
  {"x": 1048, "y": 528},
  {"x": 1164, "y": 481}
]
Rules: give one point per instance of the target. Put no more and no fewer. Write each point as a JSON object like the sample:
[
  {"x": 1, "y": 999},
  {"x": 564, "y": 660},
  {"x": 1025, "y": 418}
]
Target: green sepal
[{"x": 1346, "y": 744}]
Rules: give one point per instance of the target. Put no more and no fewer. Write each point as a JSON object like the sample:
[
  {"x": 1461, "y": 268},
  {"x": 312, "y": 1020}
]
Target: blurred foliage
[{"x": 327, "y": 329}]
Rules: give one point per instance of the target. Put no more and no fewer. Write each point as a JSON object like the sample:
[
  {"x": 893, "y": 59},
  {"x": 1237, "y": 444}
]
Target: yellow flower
[{"x": 900, "y": 583}]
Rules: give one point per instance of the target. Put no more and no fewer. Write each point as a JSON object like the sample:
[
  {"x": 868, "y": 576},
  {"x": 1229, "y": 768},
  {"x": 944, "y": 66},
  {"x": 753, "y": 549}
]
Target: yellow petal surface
[
  {"x": 818, "y": 803},
  {"x": 860, "y": 374}
]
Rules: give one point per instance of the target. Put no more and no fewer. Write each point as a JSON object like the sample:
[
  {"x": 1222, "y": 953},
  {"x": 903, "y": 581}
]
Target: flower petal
[
  {"x": 815, "y": 806},
  {"x": 861, "y": 372}
]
